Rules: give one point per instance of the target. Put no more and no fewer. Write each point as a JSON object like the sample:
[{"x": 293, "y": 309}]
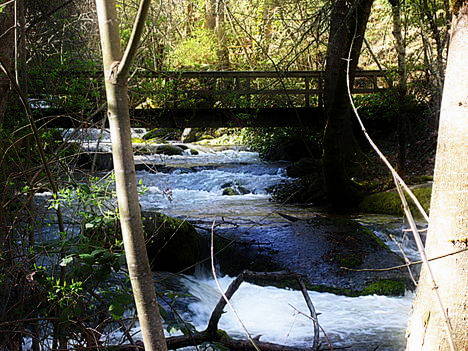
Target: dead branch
[{"x": 213, "y": 334}]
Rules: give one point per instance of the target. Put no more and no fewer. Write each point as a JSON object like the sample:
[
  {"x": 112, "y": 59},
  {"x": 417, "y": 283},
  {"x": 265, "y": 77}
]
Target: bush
[
  {"x": 265, "y": 140},
  {"x": 381, "y": 111}
]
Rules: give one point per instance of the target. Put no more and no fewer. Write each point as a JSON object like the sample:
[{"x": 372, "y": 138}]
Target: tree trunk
[
  {"x": 448, "y": 225},
  {"x": 223, "y": 51},
  {"x": 116, "y": 76},
  {"x": 348, "y": 21},
  {"x": 6, "y": 54},
  {"x": 210, "y": 14},
  {"x": 214, "y": 20},
  {"x": 400, "y": 48}
]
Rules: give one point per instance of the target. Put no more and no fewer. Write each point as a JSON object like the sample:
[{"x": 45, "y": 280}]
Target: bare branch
[{"x": 134, "y": 40}]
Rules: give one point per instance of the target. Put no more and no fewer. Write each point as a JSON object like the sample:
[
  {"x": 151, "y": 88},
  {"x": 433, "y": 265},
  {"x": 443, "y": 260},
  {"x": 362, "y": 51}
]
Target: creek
[{"x": 191, "y": 187}]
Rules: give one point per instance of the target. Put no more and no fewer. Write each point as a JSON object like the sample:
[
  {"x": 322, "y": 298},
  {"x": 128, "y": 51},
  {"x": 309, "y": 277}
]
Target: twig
[
  {"x": 232, "y": 288},
  {"x": 6, "y": 3},
  {"x": 323, "y": 331},
  {"x": 403, "y": 265}
]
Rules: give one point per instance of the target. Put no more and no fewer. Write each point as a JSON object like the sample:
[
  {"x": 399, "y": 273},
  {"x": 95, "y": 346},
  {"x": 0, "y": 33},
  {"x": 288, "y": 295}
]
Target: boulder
[
  {"x": 103, "y": 160},
  {"x": 168, "y": 149},
  {"x": 230, "y": 191},
  {"x": 182, "y": 146},
  {"x": 173, "y": 244},
  {"x": 163, "y": 133},
  {"x": 325, "y": 250},
  {"x": 243, "y": 190},
  {"x": 145, "y": 149},
  {"x": 388, "y": 202},
  {"x": 189, "y": 135},
  {"x": 232, "y": 188}
]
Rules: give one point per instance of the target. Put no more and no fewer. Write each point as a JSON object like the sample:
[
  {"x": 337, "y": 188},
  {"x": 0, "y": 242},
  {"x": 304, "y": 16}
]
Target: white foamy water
[
  {"x": 268, "y": 311},
  {"x": 206, "y": 156},
  {"x": 197, "y": 194}
]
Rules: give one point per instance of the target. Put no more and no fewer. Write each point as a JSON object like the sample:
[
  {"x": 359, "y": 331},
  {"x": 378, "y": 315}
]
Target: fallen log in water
[{"x": 214, "y": 335}]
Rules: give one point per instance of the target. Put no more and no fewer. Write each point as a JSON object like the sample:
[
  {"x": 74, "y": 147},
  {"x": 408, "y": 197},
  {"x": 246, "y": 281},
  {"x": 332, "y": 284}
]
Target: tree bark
[
  {"x": 448, "y": 224},
  {"x": 116, "y": 69},
  {"x": 347, "y": 27},
  {"x": 214, "y": 21},
  {"x": 6, "y": 54},
  {"x": 400, "y": 48},
  {"x": 223, "y": 51}
]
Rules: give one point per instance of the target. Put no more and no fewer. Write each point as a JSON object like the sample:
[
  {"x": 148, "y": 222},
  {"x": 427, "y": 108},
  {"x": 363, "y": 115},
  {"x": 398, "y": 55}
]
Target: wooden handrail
[
  {"x": 220, "y": 87},
  {"x": 214, "y": 74}
]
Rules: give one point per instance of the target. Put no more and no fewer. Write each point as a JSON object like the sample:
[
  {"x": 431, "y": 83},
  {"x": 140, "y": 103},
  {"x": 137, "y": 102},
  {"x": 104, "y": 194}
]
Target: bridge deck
[
  {"x": 219, "y": 99},
  {"x": 311, "y": 117}
]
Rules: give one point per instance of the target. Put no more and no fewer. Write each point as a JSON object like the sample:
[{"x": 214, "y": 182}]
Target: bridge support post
[
  {"x": 307, "y": 91},
  {"x": 320, "y": 90},
  {"x": 249, "y": 96}
]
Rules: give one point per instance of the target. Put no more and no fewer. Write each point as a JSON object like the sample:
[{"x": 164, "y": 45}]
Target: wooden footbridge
[{"x": 211, "y": 99}]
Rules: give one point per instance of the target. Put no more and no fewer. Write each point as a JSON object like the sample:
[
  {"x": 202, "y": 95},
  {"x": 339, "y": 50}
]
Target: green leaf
[{"x": 66, "y": 260}]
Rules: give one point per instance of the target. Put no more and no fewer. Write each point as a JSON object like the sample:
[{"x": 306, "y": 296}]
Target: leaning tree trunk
[
  {"x": 347, "y": 27},
  {"x": 116, "y": 76},
  {"x": 448, "y": 224}
]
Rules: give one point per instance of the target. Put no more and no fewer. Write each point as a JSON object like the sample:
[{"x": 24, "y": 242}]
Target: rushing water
[
  {"x": 192, "y": 188},
  {"x": 195, "y": 192},
  {"x": 363, "y": 322}
]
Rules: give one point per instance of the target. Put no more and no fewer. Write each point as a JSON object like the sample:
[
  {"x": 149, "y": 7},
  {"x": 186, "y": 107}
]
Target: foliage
[
  {"x": 265, "y": 139},
  {"x": 55, "y": 81},
  {"x": 196, "y": 51},
  {"x": 382, "y": 110}
]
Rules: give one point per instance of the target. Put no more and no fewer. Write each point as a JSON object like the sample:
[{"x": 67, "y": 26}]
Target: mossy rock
[
  {"x": 349, "y": 261},
  {"x": 386, "y": 287},
  {"x": 232, "y": 188},
  {"x": 230, "y": 192},
  {"x": 144, "y": 149},
  {"x": 169, "y": 150},
  {"x": 225, "y": 139},
  {"x": 389, "y": 202},
  {"x": 173, "y": 244},
  {"x": 138, "y": 141},
  {"x": 149, "y": 141}
]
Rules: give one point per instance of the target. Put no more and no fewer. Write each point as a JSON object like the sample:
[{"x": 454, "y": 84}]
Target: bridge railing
[
  {"x": 234, "y": 89},
  {"x": 212, "y": 89}
]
